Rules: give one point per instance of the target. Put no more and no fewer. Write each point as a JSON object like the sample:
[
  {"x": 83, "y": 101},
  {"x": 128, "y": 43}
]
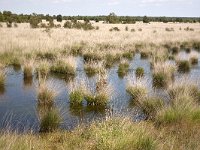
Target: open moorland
[{"x": 100, "y": 86}]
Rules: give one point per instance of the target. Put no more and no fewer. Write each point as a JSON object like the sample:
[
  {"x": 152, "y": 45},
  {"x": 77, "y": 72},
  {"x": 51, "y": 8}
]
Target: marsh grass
[
  {"x": 65, "y": 66},
  {"x": 50, "y": 122},
  {"x": 46, "y": 95},
  {"x": 139, "y": 72},
  {"x": 92, "y": 56},
  {"x": 77, "y": 92},
  {"x": 183, "y": 66},
  {"x": 123, "y": 68},
  {"x": 128, "y": 55},
  {"x": 43, "y": 69},
  {"x": 194, "y": 58},
  {"x": 101, "y": 95},
  {"x": 111, "y": 59},
  {"x": 163, "y": 74},
  {"x": 91, "y": 68},
  {"x": 144, "y": 54},
  {"x": 137, "y": 90}
]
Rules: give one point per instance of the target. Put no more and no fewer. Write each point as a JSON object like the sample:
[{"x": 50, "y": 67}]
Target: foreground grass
[{"x": 114, "y": 133}]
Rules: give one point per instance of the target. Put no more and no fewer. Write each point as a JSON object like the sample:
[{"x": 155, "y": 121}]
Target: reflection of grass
[{"x": 2, "y": 79}]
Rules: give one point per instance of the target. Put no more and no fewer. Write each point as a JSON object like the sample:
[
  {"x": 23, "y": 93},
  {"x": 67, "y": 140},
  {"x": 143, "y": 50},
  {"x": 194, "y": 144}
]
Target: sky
[{"x": 173, "y": 8}]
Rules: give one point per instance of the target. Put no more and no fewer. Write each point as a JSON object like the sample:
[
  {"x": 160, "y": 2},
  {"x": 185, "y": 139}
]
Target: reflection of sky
[
  {"x": 18, "y": 102},
  {"x": 96, "y": 7}
]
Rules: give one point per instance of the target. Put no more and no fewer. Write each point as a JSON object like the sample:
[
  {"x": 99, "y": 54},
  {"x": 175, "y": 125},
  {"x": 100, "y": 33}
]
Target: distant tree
[
  {"x": 112, "y": 18},
  {"x": 34, "y": 21},
  {"x": 145, "y": 19},
  {"x": 59, "y": 18}
]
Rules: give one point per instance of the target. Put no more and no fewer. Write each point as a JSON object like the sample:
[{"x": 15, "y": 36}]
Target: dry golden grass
[{"x": 26, "y": 39}]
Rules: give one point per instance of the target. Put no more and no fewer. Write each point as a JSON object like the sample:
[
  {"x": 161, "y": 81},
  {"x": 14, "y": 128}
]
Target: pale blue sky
[{"x": 187, "y": 8}]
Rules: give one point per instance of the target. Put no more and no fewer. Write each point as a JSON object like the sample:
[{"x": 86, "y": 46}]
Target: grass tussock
[
  {"x": 65, "y": 66},
  {"x": 139, "y": 72},
  {"x": 50, "y": 122},
  {"x": 46, "y": 95},
  {"x": 137, "y": 89},
  {"x": 162, "y": 74},
  {"x": 77, "y": 92},
  {"x": 123, "y": 68}
]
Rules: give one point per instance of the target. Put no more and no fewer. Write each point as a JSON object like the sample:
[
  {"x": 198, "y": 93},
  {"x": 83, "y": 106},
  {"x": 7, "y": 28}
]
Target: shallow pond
[{"x": 18, "y": 100}]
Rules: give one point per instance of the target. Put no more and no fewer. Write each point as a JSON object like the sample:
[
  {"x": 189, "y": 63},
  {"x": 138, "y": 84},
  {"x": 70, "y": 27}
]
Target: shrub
[
  {"x": 169, "y": 29},
  {"x": 139, "y": 72},
  {"x": 50, "y": 122},
  {"x": 34, "y": 21},
  {"x": 114, "y": 29},
  {"x": 9, "y": 24},
  {"x": 183, "y": 66},
  {"x": 68, "y": 24},
  {"x": 132, "y": 30}
]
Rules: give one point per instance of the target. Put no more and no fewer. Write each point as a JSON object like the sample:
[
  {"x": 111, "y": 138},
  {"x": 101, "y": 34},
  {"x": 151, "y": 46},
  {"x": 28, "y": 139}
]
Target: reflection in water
[
  {"x": 16, "y": 68},
  {"x": 28, "y": 81},
  {"x": 2, "y": 90}
]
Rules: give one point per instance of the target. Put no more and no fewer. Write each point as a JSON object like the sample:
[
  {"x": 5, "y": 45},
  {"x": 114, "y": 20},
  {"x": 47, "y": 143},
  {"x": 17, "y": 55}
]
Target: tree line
[{"x": 9, "y": 17}]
